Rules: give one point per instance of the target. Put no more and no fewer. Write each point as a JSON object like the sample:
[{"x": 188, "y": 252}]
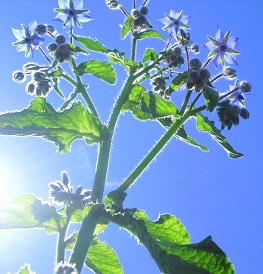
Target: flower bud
[
  {"x": 204, "y": 74},
  {"x": 50, "y": 28},
  {"x": 112, "y": 4},
  {"x": 60, "y": 39},
  {"x": 78, "y": 190},
  {"x": 244, "y": 113},
  {"x": 235, "y": 110},
  {"x": 245, "y": 86},
  {"x": 199, "y": 84},
  {"x": 41, "y": 29},
  {"x": 144, "y": 10},
  {"x": 190, "y": 85},
  {"x": 135, "y": 13},
  {"x": 192, "y": 76},
  {"x": 235, "y": 120},
  {"x": 195, "y": 64},
  {"x": 195, "y": 48},
  {"x": 229, "y": 73},
  {"x": 19, "y": 76},
  {"x": 180, "y": 60},
  {"x": 29, "y": 67},
  {"x": 53, "y": 47},
  {"x": 64, "y": 178},
  {"x": 177, "y": 51},
  {"x": 38, "y": 76},
  {"x": 30, "y": 88}
]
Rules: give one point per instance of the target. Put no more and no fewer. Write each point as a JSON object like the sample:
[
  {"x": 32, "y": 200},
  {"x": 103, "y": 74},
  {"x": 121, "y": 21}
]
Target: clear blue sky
[{"x": 209, "y": 192}]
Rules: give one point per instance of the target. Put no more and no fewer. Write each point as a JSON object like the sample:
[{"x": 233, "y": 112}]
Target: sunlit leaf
[
  {"x": 204, "y": 125},
  {"x": 150, "y": 55},
  {"x": 169, "y": 244},
  {"x": 156, "y": 106},
  {"x": 91, "y": 44},
  {"x": 26, "y": 270},
  {"x": 102, "y": 259},
  {"x": 150, "y": 34},
  {"x": 26, "y": 211},
  {"x": 61, "y": 128},
  {"x": 77, "y": 49},
  {"x": 102, "y": 70},
  {"x": 57, "y": 88},
  {"x": 127, "y": 26},
  {"x": 178, "y": 81},
  {"x": 211, "y": 97}
]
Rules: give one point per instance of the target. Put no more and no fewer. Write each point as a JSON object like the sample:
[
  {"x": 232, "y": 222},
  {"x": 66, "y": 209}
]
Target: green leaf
[
  {"x": 91, "y": 44},
  {"x": 56, "y": 87},
  {"x": 181, "y": 133},
  {"x": 211, "y": 97},
  {"x": 77, "y": 49},
  {"x": 127, "y": 26},
  {"x": 102, "y": 259},
  {"x": 156, "y": 106},
  {"x": 56, "y": 73},
  {"x": 149, "y": 34},
  {"x": 102, "y": 70},
  {"x": 150, "y": 55},
  {"x": 26, "y": 211},
  {"x": 178, "y": 81},
  {"x": 62, "y": 128},
  {"x": 26, "y": 270},
  {"x": 169, "y": 244},
  {"x": 114, "y": 200},
  {"x": 204, "y": 125}
]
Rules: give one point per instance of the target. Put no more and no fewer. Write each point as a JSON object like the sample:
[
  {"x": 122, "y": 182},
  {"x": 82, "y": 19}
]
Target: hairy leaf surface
[
  {"x": 26, "y": 211},
  {"x": 178, "y": 81},
  {"x": 204, "y": 125},
  {"x": 102, "y": 70},
  {"x": 149, "y": 34},
  {"x": 211, "y": 97},
  {"x": 169, "y": 244},
  {"x": 61, "y": 128}
]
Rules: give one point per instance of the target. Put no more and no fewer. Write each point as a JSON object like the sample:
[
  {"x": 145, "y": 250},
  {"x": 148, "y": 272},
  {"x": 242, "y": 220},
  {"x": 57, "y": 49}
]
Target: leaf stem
[
  {"x": 186, "y": 100},
  {"x": 61, "y": 244},
  {"x": 153, "y": 153},
  {"x": 134, "y": 43}
]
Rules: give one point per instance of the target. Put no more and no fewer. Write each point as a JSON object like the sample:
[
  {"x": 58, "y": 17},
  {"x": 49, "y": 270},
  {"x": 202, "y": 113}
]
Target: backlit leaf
[
  {"x": 178, "y": 81},
  {"x": 91, "y": 44},
  {"x": 150, "y": 55},
  {"x": 149, "y": 34},
  {"x": 211, "y": 97},
  {"x": 204, "y": 125},
  {"x": 61, "y": 128},
  {"x": 102, "y": 70},
  {"x": 26, "y": 211},
  {"x": 102, "y": 259},
  {"x": 26, "y": 270},
  {"x": 127, "y": 26}
]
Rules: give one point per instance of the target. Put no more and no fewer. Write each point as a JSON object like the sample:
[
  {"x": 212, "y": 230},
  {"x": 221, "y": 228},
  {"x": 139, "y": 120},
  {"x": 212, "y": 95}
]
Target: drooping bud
[
  {"x": 41, "y": 29},
  {"x": 53, "y": 47},
  {"x": 19, "y": 76},
  {"x": 245, "y": 86},
  {"x": 30, "y": 88},
  {"x": 51, "y": 29},
  {"x": 64, "y": 178},
  {"x": 194, "y": 48},
  {"x": 38, "y": 76},
  {"x": 195, "y": 64},
  {"x": 135, "y": 13},
  {"x": 144, "y": 10},
  {"x": 229, "y": 73},
  {"x": 204, "y": 74},
  {"x": 60, "y": 39},
  {"x": 244, "y": 113}
]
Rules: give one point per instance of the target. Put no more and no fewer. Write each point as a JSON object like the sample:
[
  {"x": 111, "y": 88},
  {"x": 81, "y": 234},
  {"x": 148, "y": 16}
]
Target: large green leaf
[
  {"x": 149, "y": 34},
  {"x": 102, "y": 70},
  {"x": 40, "y": 119},
  {"x": 26, "y": 211},
  {"x": 102, "y": 259},
  {"x": 204, "y": 125},
  {"x": 150, "y": 55},
  {"x": 178, "y": 81},
  {"x": 169, "y": 244},
  {"x": 91, "y": 44}
]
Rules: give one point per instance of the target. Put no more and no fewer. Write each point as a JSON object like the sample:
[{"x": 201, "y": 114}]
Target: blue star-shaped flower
[
  {"x": 222, "y": 48},
  {"x": 174, "y": 22},
  {"x": 70, "y": 12},
  {"x": 27, "y": 39}
]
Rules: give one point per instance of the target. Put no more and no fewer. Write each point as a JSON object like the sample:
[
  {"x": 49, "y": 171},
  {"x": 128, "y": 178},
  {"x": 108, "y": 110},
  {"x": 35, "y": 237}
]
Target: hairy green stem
[
  {"x": 105, "y": 146},
  {"x": 154, "y": 152},
  {"x": 186, "y": 100},
  {"x": 61, "y": 245},
  {"x": 82, "y": 90},
  {"x": 85, "y": 236},
  {"x": 134, "y": 43}
]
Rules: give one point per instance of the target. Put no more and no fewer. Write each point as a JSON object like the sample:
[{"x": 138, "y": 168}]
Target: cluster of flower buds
[
  {"x": 139, "y": 20},
  {"x": 40, "y": 84},
  {"x": 43, "y": 29},
  {"x": 112, "y": 4},
  {"x": 65, "y": 268},
  {"x": 197, "y": 76},
  {"x": 60, "y": 50},
  {"x": 174, "y": 58},
  {"x": 62, "y": 192},
  {"x": 185, "y": 41},
  {"x": 159, "y": 85},
  {"x": 229, "y": 114}
]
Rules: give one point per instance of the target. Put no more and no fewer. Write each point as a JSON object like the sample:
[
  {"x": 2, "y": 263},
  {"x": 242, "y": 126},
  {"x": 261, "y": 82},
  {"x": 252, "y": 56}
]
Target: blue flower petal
[
  {"x": 232, "y": 42},
  {"x": 19, "y": 34},
  {"x": 38, "y": 41},
  {"x": 63, "y": 4},
  {"x": 78, "y": 4},
  {"x": 62, "y": 17},
  {"x": 230, "y": 58},
  {"x": 21, "y": 47},
  {"x": 83, "y": 17},
  {"x": 32, "y": 28},
  {"x": 219, "y": 36}
]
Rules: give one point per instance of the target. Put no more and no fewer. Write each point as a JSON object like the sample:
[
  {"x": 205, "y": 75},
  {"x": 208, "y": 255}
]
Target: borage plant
[{"x": 173, "y": 68}]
